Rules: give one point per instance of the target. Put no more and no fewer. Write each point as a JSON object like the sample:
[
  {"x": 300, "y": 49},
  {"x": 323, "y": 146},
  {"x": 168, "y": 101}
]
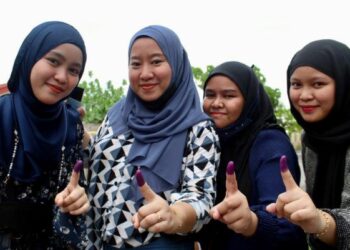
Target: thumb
[
  {"x": 74, "y": 179},
  {"x": 145, "y": 190},
  {"x": 231, "y": 182},
  {"x": 287, "y": 177}
]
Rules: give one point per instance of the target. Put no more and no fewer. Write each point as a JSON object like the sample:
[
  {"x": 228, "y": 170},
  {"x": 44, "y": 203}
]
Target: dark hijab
[
  {"x": 237, "y": 139},
  {"x": 330, "y": 137},
  {"x": 160, "y": 133},
  {"x": 43, "y": 129}
]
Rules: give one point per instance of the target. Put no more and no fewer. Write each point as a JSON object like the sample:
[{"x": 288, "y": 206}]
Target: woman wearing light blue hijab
[
  {"x": 40, "y": 142},
  {"x": 158, "y": 133}
]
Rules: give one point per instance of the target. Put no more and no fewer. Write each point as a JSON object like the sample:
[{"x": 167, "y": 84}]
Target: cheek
[
  {"x": 206, "y": 106},
  {"x": 293, "y": 96}
]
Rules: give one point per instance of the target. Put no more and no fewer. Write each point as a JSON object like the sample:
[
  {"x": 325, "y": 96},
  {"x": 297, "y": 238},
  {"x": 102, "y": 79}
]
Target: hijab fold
[
  {"x": 330, "y": 137},
  {"x": 43, "y": 129},
  {"x": 160, "y": 133}
]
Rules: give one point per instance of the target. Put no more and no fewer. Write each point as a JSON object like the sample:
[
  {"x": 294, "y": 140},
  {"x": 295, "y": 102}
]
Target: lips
[
  {"x": 217, "y": 113},
  {"x": 308, "y": 109},
  {"x": 55, "y": 89},
  {"x": 148, "y": 86}
]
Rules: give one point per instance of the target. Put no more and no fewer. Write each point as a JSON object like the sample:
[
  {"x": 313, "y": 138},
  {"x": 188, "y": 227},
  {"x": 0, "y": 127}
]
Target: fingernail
[
  {"x": 283, "y": 163},
  {"x": 139, "y": 178},
  {"x": 78, "y": 166},
  {"x": 230, "y": 167}
]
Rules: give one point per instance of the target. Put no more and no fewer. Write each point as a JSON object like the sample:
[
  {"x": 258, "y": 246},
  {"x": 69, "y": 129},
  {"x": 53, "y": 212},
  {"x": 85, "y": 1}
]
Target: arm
[
  {"x": 201, "y": 163},
  {"x": 267, "y": 184},
  {"x": 192, "y": 201}
]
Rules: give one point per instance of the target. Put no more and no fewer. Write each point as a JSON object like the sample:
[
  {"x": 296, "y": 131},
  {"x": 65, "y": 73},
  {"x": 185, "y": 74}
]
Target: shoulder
[
  {"x": 271, "y": 143},
  {"x": 204, "y": 129},
  {"x": 272, "y": 138}
]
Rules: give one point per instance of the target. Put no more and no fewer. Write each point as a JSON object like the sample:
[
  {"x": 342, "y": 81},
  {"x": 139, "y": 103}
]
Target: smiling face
[
  {"x": 312, "y": 93},
  {"x": 149, "y": 70},
  {"x": 56, "y": 74},
  {"x": 223, "y": 101}
]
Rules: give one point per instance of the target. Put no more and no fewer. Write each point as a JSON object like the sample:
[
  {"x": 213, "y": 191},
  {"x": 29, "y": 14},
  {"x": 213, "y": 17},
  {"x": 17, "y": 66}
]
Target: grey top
[{"x": 341, "y": 215}]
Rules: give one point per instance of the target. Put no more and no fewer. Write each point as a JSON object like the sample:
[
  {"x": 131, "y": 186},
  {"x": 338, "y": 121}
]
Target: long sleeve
[
  {"x": 342, "y": 214},
  {"x": 267, "y": 184}
]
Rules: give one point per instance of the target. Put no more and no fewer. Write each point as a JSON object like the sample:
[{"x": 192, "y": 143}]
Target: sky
[{"x": 265, "y": 33}]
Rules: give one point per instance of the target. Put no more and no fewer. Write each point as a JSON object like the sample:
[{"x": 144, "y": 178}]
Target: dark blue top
[{"x": 266, "y": 184}]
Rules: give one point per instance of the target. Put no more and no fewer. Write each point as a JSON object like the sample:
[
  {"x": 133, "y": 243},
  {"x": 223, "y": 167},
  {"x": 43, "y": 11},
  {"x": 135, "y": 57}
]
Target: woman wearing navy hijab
[
  {"x": 40, "y": 140},
  {"x": 154, "y": 158}
]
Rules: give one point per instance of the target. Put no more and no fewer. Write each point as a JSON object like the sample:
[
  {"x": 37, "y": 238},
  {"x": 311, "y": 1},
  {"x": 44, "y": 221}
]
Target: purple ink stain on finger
[
  {"x": 139, "y": 178},
  {"x": 283, "y": 163},
  {"x": 78, "y": 166},
  {"x": 230, "y": 168}
]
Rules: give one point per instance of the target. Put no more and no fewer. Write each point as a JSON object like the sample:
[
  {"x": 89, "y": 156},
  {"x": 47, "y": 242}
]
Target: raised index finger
[
  {"x": 145, "y": 189},
  {"x": 287, "y": 177},
  {"x": 231, "y": 182}
]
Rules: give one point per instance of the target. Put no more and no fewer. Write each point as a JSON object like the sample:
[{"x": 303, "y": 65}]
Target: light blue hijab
[{"x": 160, "y": 135}]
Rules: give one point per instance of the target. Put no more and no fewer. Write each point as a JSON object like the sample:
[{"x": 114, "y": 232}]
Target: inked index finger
[
  {"x": 231, "y": 182},
  {"x": 145, "y": 189},
  {"x": 74, "y": 179},
  {"x": 287, "y": 177}
]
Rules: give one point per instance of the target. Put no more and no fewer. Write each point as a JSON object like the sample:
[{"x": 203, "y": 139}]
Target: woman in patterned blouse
[{"x": 160, "y": 128}]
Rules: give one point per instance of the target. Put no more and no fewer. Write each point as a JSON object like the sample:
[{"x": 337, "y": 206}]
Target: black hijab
[
  {"x": 330, "y": 137},
  {"x": 237, "y": 139}
]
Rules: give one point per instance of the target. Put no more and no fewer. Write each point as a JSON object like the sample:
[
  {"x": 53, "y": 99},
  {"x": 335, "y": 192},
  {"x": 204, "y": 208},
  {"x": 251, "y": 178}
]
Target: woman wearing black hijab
[
  {"x": 250, "y": 137},
  {"x": 318, "y": 80}
]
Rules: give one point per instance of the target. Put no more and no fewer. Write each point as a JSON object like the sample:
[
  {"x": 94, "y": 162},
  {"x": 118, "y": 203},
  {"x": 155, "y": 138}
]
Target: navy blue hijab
[
  {"x": 160, "y": 135},
  {"x": 43, "y": 129}
]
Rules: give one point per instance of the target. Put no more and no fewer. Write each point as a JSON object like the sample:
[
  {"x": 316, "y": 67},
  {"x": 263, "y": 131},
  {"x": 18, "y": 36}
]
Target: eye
[
  {"x": 135, "y": 64},
  {"x": 157, "y": 61},
  {"x": 74, "y": 71},
  {"x": 53, "y": 61},
  {"x": 229, "y": 96},
  {"x": 319, "y": 84},
  {"x": 295, "y": 85},
  {"x": 209, "y": 94}
]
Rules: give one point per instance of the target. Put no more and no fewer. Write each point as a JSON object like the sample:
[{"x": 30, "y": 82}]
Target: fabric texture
[
  {"x": 160, "y": 134},
  {"x": 266, "y": 184},
  {"x": 340, "y": 214},
  {"x": 111, "y": 181}
]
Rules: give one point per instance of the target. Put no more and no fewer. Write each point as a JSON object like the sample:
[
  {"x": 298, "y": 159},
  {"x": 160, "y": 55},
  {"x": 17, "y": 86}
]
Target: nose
[
  {"x": 306, "y": 94},
  {"x": 217, "y": 103},
  {"x": 146, "y": 73},
  {"x": 61, "y": 75}
]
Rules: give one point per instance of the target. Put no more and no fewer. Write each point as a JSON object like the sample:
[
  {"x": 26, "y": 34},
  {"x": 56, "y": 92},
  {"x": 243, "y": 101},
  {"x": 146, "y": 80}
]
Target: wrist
[
  {"x": 325, "y": 224},
  {"x": 253, "y": 225}
]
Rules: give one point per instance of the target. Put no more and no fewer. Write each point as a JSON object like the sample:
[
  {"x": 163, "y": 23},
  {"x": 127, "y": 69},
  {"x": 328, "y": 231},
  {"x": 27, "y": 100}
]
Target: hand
[
  {"x": 73, "y": 198},
  {"x": 155, "y": 215},
  {"x": 234, "y": 210},
  {"x": 81, "y": 111},
  {"x": 295, "y": 204}
]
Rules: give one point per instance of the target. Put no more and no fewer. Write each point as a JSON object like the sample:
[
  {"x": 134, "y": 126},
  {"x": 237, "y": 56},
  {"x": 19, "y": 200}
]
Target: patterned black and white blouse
[{"x": 109, "y": 221}]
